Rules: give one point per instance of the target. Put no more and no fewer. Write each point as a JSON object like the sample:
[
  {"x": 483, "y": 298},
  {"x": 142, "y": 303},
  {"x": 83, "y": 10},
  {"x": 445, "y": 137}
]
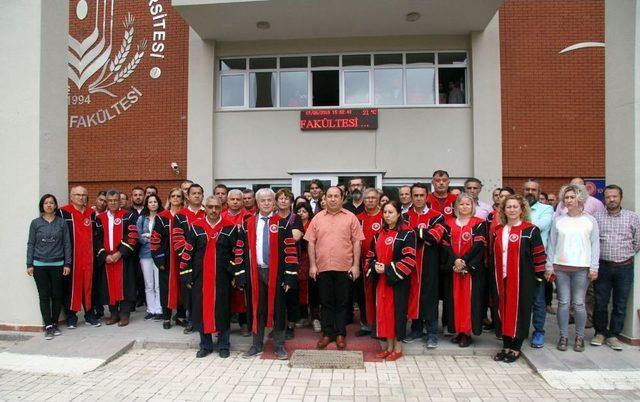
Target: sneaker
[
  {"x": 92, "y": 322},
  {"x": 614, "y": 343},
  {"x": 188, "y": 329},
  {"x": 56, "y": 331},
  {"x": 149, "y": 316},
  {"x": 413, "y": 336},
  {"x": 537, "y": 340},
  {"x": 578, "y": 345},
  {"x": 48, "y": 333},
  {"x": 563, "y": 344},
  {"x": 253, "y": 351},
  {"x": 72, "y": 325},
  {"x": 158, "y": 317},
  {"x": 281, "y": 353},
  {"x": 317, "y": 327},
  {"x": 446, "y": 332},
  {"x": 224, "y": 353},
  {"x": 597, "y": 340},
  {"x": 432, "y": 342},
  {"x": 302, "y": 323},
  {"x": 551, "y": 310}
]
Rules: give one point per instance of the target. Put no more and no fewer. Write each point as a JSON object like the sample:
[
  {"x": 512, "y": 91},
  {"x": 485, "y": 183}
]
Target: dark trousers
[
  {"x": 333, "y": 287},
  {"x": 292, "y": 298},
  {"x": 512, "y": 343},
  {"x": 166, "y": 313},
  {"x": 314, "y": 298},
  {"x": 548, "y": 292},
  {"x": 263, "y": 307},
  {"x": 419, "y": 326},
  {"x": 206, "y": 341},
  {"x": 617, "y": 280},
  {"x": 122, "y": 307},
  {"x": 49, "y": 284}
]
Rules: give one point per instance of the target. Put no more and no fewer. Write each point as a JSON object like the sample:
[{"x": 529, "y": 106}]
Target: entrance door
[{"x": 300, "y": 181}]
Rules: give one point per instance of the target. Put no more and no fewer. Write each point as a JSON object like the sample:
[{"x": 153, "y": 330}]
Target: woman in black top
[{"x": 48, "y": 260}]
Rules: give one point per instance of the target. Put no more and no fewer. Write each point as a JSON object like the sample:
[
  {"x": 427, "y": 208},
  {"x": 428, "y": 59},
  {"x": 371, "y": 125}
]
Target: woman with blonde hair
[
  {"x": 573, "y": 250},
  {"x": 519, "y": 260}
]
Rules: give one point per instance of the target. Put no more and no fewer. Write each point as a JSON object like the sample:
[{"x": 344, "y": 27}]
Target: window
[{"x": 369, "y": 79}]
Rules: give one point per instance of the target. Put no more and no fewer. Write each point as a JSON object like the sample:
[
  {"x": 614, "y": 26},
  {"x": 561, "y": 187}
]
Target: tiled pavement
[{"x": 171, "y": 374}]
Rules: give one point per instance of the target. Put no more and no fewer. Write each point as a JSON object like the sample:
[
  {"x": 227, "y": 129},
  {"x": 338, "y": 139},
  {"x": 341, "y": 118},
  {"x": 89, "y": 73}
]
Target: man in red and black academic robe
[
  {"x": 236, "y": 213},
  {"x": 441, "y": 199},
  {"x": 115, "y": 240},
  {"x": 78, "y": 285},
  {"x": 180, "y": 227},
  {"x": 464, "y": 248},
  {"x": 168, "y": 262},
  {"x": 207, "y": 267},
  {"x": 371, "y": 221},
  {"x": 428, "y": 225},
  {"x": 270, "y": 269}
]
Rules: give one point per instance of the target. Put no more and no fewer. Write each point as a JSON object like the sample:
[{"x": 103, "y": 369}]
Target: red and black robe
[
  {"x": 371, "y": 225},
  {"x": 525, "y": 268},
  {"x": 179, "y": 228},
  {"x": 207, "y": 264},
  {"x": 442, "y": 205},
  {"x": 397, "y": 251},
  {"x": 283, "y": 270},
  {"x": 303, "y": 268},
  {"x": 119, "y": 282},
  {"x": 237, "y": 295},
  {"x": 78, "y": 285},
  {"x": 465, "y": 291},
  {"x": 429, "y": 229},
  {"x": 166, "y": 259}
]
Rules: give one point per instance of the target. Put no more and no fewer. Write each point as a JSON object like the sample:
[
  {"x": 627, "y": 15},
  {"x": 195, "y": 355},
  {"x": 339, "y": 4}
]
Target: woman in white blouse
[{"x": 573, "y": 252}]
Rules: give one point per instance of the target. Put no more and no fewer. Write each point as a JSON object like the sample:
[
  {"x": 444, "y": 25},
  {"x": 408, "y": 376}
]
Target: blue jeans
[
  {"x": 572, "y": 287},
  {"x": 618, "y": 279},
  {"x": 539, "y": 309}
]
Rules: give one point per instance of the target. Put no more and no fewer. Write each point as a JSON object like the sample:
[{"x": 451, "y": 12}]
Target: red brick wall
[
  {"x": 137, "y": 146},
  {"x": 552, "y": 104}
]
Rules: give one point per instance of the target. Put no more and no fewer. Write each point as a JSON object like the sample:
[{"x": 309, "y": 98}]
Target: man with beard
[
  {"x": 541, "y": 216},
  {"x": 137, "y": 204},
  {"x": 355, "y": 206},
  {"x": 137, "y": 201},
  {"x": 150, "y": 190},
  {"x": 404, "y": 194}
]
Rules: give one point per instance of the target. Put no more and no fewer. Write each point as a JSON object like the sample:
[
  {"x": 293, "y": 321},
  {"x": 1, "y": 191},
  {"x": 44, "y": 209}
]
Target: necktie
[{"x": 265, "y": 241}]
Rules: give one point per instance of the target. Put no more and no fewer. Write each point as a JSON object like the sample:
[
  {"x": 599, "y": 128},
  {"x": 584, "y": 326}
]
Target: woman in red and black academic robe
[
  {"x": 464, "y": 244},
  {"x": 115, "y": 240},
  {"x": 519, "y": 260},
  {"x": 165, "y": 257},
  {"x": 266, "y": 281},
  {"x": 308, "y": 290},
  {"x": 390, "y": 261}
]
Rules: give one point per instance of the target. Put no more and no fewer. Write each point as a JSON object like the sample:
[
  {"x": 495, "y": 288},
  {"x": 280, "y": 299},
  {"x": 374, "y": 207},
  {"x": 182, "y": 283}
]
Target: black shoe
[
  {"x": 166, "y": 324},
  {"x": 203, "y": 353},
  {"x": 253, "y": 351},
  {"x": 413, "y": 336},
  {"x": 48, "y": 333},
  {"x": 224, "y": 353},
  {"x": 500, "y": 355},
  {"x": 363, "y": 332},
  {"x": 149, "y": 316},
  {"x": 511, "y": 357},
  {"x": 488, "y": 327},
  {"x": 157, "y": 317},
  {"x": 180, "y": 322},
  {"x": 188, "y": 329},
  {"x": 140, "y": 303},
  {"x": 289, "y": 334},
  {"x": 56, "y": 330},
  {"x": 92, "y": 321}
]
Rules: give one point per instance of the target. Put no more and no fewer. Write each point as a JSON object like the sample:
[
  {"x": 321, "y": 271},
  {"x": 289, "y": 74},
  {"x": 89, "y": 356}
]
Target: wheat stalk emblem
[{"x": 118, "y": 69}]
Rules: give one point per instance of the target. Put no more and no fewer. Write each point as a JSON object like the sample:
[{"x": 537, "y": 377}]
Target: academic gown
[
  {"x": 526, "y": 260},
  {"x": 119, "y": 283},
  {"x": 237, "y": 295},
  {"x": 397, "y": 251},
  {"x": 465, "y": 291},
  {"x": 371, "y": 225},
  {"x": 78, "y": 285},
  {"x": 166, "y": 259},
  {"x": 207, "y": 265},
  {"x": 423, "y": 296},
  {"x": 442, "y": 205},
  {"x": 179, "y": 228},
  {"x": 283, "y": 256},
  {"x": 303, "y": 270}
]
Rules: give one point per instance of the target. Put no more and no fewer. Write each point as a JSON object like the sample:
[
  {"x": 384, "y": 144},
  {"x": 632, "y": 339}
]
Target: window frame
[{"x": 341, "y": 78}]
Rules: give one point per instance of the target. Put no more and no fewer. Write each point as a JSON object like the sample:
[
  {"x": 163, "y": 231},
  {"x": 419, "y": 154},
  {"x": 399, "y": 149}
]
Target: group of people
[{"x": 276, "y": 262}]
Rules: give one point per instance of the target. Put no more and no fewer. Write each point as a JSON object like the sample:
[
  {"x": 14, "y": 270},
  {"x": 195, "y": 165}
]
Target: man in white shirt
[
  {"x": 316, "y": 189},
  {"x": 473, "y": 187}
]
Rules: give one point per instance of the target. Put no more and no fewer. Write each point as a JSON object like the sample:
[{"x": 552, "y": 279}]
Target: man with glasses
[{"x": 78, "y": 285}]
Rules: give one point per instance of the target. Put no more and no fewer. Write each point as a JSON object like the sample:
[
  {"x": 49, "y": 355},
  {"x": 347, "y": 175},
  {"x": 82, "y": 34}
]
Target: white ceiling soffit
[{"x": 299, "y": 19}]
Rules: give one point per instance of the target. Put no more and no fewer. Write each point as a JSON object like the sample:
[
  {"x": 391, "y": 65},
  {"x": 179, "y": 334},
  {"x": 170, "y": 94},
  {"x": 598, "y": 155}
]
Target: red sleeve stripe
[
  {"x": 237, "y": 261},
  {"x": 290, "y": 250},
  {"x": 237, "y": 252},
  {"x": 408, "y": 251},
  {"x": 411, "y": 262},
  {"x": 402, "y": 267},
  {"x": 291, "y": 260},
  {"x": 289, "y": 241}
]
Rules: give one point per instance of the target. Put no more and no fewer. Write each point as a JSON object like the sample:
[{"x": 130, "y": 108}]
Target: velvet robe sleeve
[
  {"x": 404, "y": 260},
  {"x": 538, "y": 254},
  {"x": 98, "y": 242},
  {"x": 159, "y": 242},
  {"x": 432, "y": 234},
  {"x": 370, "y": 259},
  {"x": 129, "y": 241},
  {"x": 291, "y": 264},
  {"x": 241, "y": 260},
  {"x": 475, "y": 257},
  {"x": 186, "y": 266}
]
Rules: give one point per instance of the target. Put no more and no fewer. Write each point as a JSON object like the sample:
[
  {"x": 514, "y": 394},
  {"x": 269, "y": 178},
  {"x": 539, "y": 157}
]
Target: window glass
[
  {"x": 326, "y": 88},
  {"x": 452, "y": 58},
  {"x": 420, "y": 86},
  {"x": 263, "y": 63},
  {"x": 232, "y": 90},
  {"x": 452, "y": 85},
  {"x": 324, "y": 61},
  {"x": 387, "y": 59},
  {"x": 356, "y": 87},
  {"x": 293, "y": 89},
  {"x": 233, "y": 64},
  {"x": 356, "y": 60},
  {"x": 262, "y": 89},
  {"x": 388, "y": 86},
  {"x": 294, "y": 62},
  {"x": 420, "y": 58}
]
